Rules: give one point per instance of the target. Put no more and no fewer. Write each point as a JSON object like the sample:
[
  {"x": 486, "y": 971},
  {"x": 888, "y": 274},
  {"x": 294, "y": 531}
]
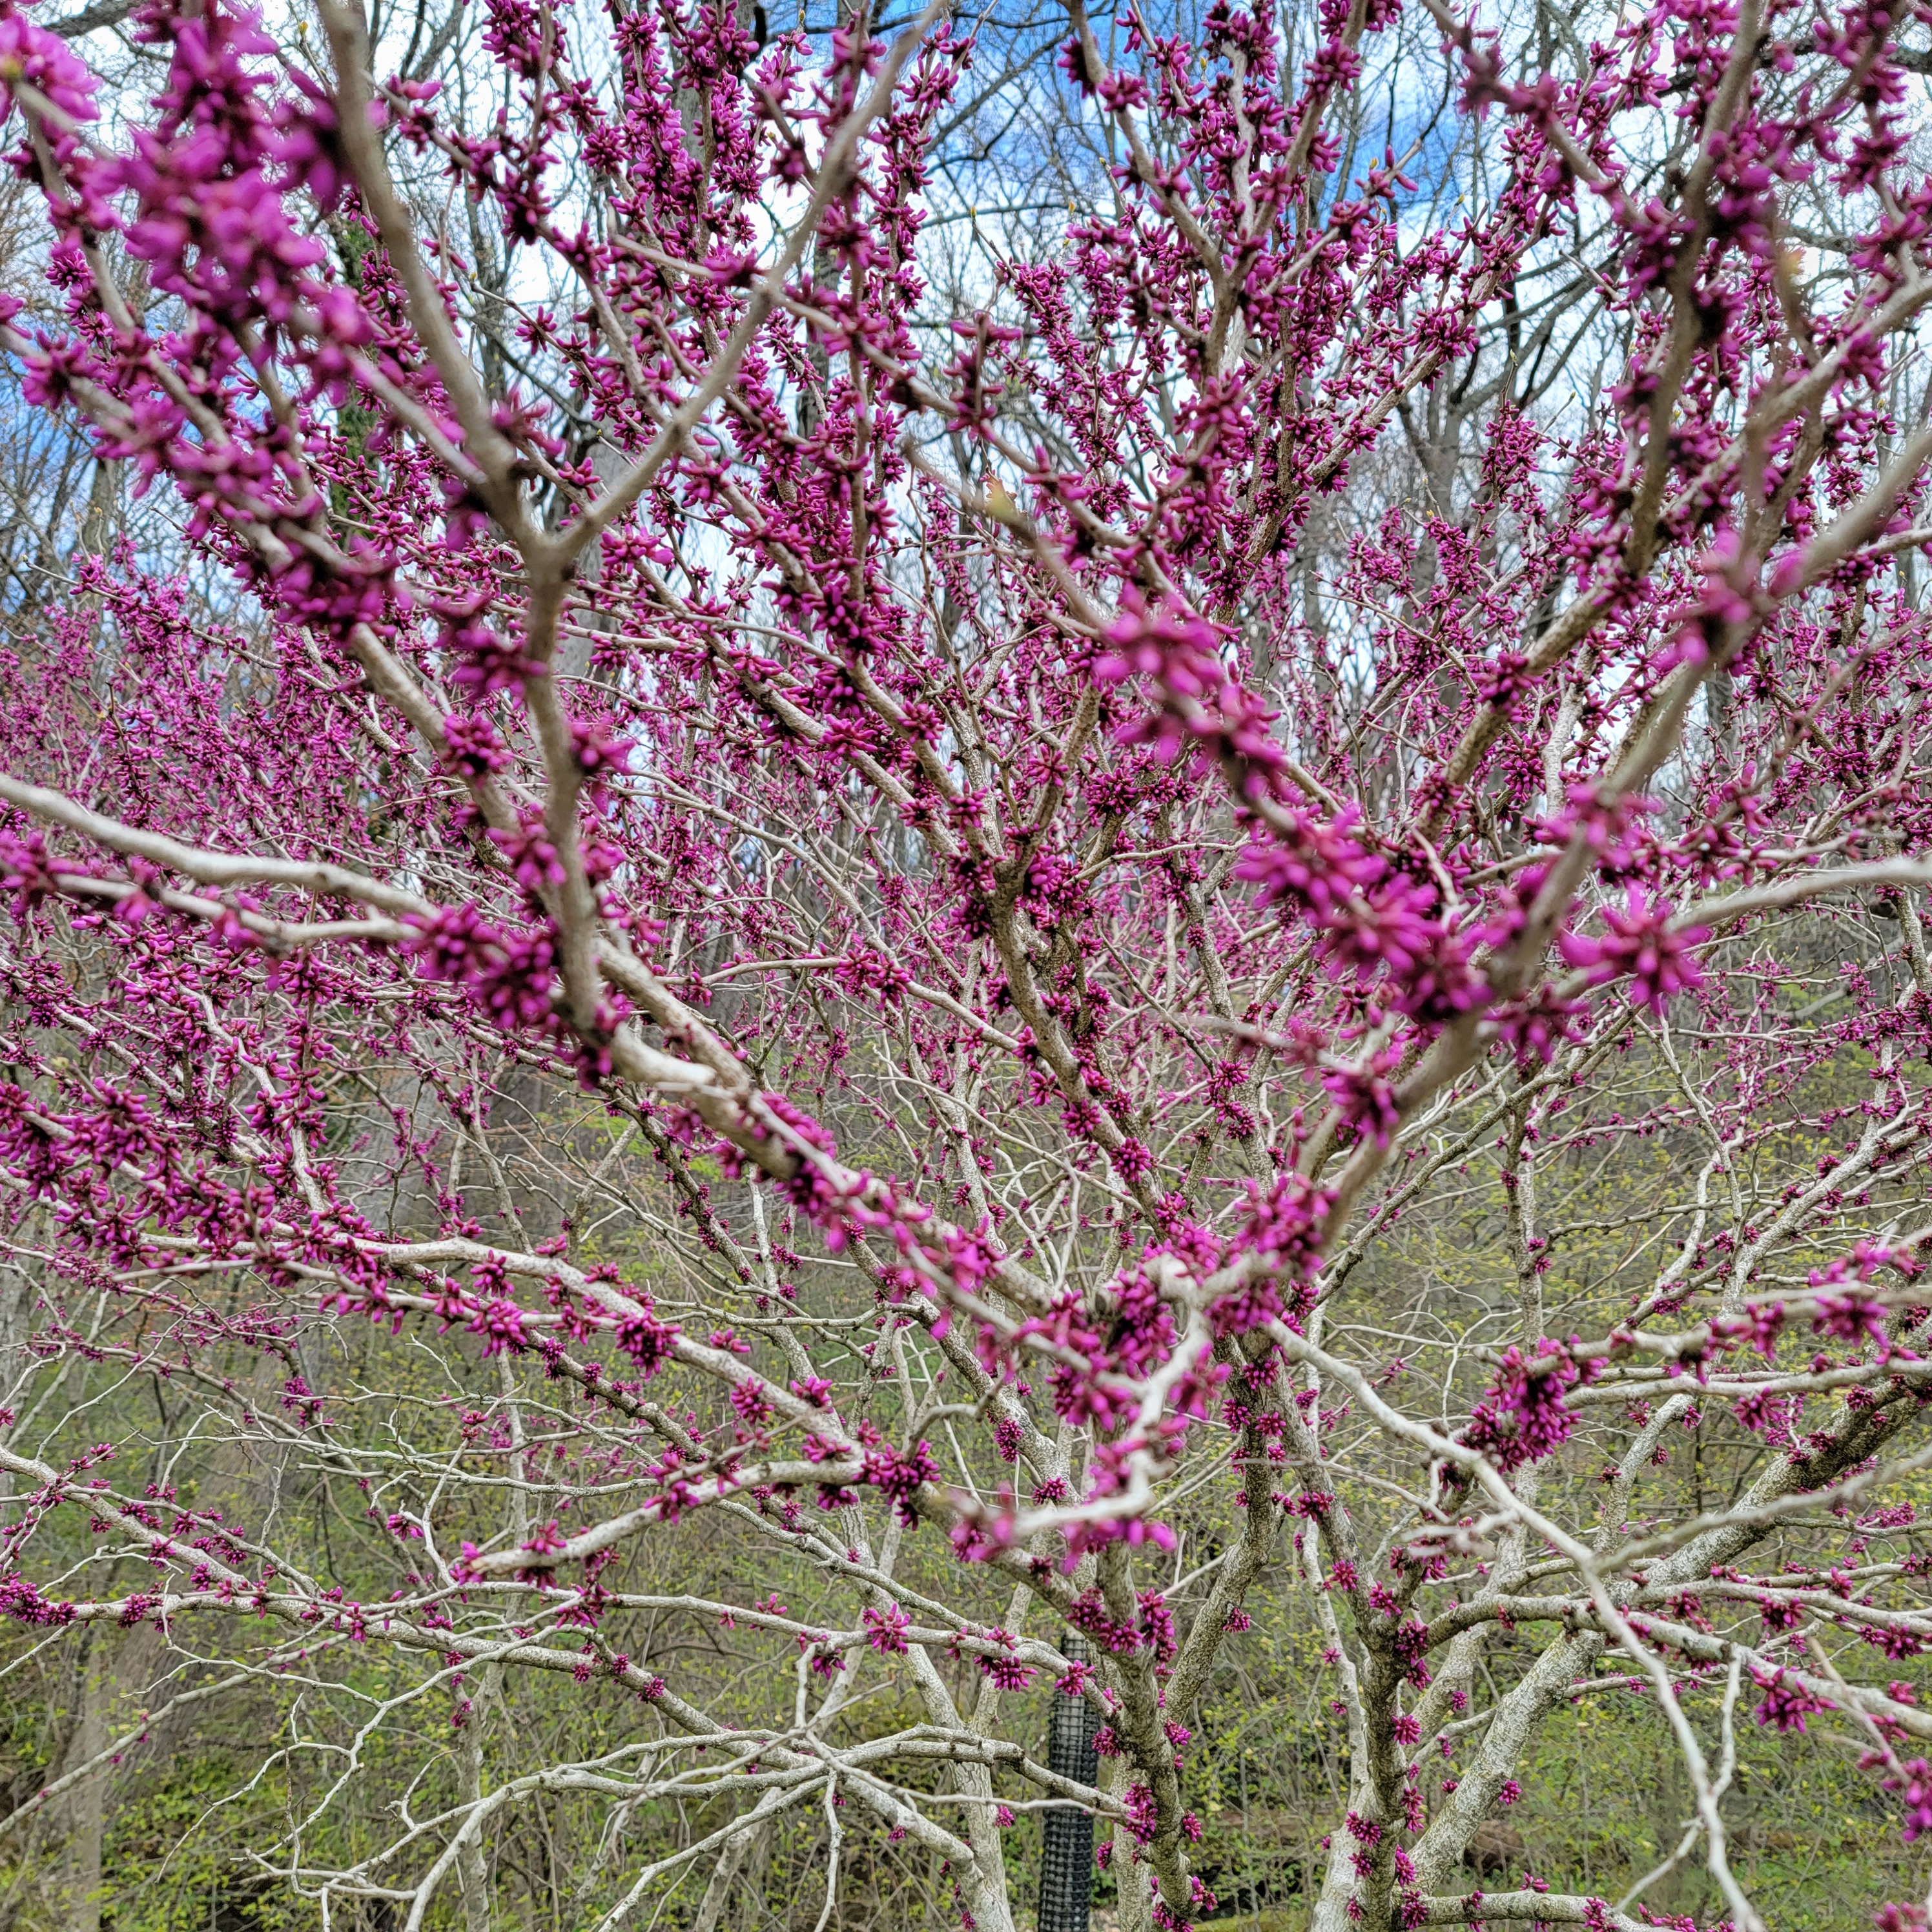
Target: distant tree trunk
[
  {"x": 87, "y": 1807},
  {"x": 101, "y": 521},
  {"x": 747, "y": 1847}
]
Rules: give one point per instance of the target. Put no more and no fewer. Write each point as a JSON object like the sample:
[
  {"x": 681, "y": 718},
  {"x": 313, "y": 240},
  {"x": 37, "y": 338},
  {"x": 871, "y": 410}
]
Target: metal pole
[{"x": 1066, "y": 1862}]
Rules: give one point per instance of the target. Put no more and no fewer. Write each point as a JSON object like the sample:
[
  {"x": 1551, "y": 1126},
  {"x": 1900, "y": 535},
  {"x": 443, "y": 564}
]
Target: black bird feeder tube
[{"x": 1066, "y": 1863}]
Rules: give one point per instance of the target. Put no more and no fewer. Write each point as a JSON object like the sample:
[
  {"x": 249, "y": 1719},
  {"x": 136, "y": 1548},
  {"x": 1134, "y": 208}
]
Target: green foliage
[{"x": 199, "y": 1820}]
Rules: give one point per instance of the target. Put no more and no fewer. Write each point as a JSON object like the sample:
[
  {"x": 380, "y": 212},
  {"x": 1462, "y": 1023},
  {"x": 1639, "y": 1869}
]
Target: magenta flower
[{"x": 1640, "y": 945}]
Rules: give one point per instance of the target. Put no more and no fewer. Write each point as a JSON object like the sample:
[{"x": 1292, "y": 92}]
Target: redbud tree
[{"x": 746, "y": 975}]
